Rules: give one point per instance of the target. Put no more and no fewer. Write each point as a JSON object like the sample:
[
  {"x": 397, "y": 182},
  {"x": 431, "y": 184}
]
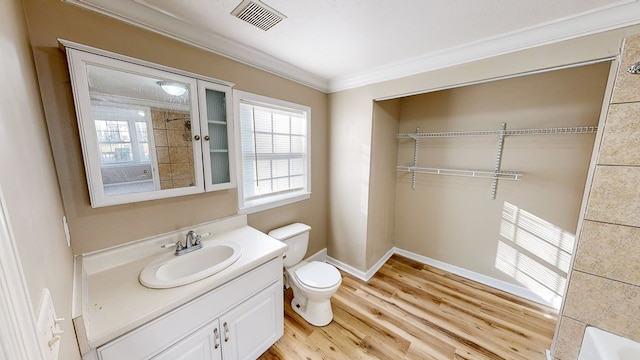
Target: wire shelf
[
  {"x": 495, "y": 174},
  {"x": 516, "y": 132},
  {"x": 485, "y": 174}
]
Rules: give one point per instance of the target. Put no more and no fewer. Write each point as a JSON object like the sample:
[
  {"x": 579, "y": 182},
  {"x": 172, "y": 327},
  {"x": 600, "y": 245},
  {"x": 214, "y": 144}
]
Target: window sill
[{"x": 266, "y": 204}]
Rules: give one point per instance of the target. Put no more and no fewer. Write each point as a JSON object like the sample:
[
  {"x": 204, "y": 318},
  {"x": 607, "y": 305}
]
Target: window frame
[{"x": 279, "y": 199}]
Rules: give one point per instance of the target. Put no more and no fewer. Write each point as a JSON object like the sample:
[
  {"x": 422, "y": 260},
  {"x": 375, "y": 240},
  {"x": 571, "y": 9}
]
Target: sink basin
[{"x": 170, "y": 271}]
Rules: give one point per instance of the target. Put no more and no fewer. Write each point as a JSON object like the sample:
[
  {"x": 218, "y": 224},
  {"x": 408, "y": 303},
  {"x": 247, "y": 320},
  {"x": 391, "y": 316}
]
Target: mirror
[
  {"x": 139, "y": 129},
  {"x": 143, "y": 132}
]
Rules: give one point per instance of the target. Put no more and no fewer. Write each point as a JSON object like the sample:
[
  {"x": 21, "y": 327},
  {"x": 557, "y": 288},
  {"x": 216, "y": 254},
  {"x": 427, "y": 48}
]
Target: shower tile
[
  {"x": 570, "y": 336},
  {"x": 615, "y": 195},
  {"x": 163, "y": 154},
  {"x": 627, "y": 86},
  {"x": 186, "y": 182},
  {"x": 165, "y": 171},
  {"x": 610, "y": 251},
  {"x": 179, "y": 122},
  {"x": 181, "y": 171},
  {"x": 607, "y": 304},
  {"x": 621, "y": 138},
  {"x": 166, "y": 184},
  {"x": 181, "y": 154},
  {"x": 179, "y": 137},
  {"x": 160, "y": 137},
  {"x": 158, "y": 119}
]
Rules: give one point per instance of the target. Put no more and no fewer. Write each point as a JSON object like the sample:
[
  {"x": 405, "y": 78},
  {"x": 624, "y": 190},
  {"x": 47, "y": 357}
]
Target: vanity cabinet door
[
  {"x": 216, "y": 127},
  {"x": 252, "y": 327},
  {"x": 204, "y": 344}
]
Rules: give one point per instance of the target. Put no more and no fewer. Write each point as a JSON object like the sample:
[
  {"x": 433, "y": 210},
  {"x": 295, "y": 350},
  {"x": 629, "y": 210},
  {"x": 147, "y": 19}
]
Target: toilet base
[{"x": 315, "y": 313}]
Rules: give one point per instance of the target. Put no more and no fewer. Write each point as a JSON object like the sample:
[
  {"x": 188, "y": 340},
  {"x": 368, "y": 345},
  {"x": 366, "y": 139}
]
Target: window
[
  {"x": 273, "y": 152},
  {"x": 122, "y": 134}
]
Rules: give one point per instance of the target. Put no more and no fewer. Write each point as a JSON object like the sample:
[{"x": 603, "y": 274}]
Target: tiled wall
[
  {"x": 174, "y": 148},
  {"x": 604, "y": 287}
]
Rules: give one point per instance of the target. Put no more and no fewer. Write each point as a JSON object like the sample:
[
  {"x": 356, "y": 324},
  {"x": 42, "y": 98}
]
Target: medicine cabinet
[{"x": 148, "y": 131}]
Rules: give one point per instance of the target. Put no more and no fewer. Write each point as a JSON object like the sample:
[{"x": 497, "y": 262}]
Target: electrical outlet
[{"x": 49, "y": 329}]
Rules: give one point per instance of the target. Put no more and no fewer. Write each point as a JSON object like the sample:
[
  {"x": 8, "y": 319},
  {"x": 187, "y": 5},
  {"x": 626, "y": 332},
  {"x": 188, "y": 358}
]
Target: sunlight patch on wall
[{"x": 534, "y": 252}]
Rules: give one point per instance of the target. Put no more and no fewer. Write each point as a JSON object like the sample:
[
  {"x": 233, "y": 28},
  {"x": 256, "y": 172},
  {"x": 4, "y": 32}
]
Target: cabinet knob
[
  {"x": 197, "y": 137},
  {"x": 206, "y": 137},
  {"x": 226, "y": 332}
]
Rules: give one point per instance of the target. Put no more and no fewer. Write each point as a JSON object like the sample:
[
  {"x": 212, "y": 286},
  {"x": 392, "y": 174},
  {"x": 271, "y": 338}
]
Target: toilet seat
[{"x": 318, "y": 275}]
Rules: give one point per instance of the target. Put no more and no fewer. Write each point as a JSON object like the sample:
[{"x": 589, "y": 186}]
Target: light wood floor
[{"x": 413, "y": 311}]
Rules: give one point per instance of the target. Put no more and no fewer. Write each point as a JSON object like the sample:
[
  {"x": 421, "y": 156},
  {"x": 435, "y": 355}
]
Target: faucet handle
[
  {"x": 196, "y": 240},
  {"x": 168, "y": 245},
  {"x": 177, "y": 245}
]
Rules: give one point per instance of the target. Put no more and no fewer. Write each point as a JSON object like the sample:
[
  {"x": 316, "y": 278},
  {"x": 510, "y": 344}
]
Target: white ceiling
[{"x": 333, "y": 45}]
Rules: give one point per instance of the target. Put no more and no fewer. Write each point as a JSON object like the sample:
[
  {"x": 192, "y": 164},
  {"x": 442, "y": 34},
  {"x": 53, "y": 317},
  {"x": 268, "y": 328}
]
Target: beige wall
[
  {"x": 28, "y": 177},
  {"x": 383, "y": 175},
  {"x": 93, "y": 229},
  {"x": 351, "y": 117},
  {"x": 350, "y": 153},
  {"x": 604, "y": 287},
  {"x": 454, "y": 219}
]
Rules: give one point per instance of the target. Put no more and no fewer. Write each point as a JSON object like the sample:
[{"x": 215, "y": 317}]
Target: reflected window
[
  {"x": 122, "y": 142},
  {"x": 126, "y": 162}
]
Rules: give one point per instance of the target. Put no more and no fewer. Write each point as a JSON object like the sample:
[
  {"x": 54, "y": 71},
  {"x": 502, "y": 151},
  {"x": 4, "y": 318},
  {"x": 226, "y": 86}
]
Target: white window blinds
[{"x": 274, "y": 152}]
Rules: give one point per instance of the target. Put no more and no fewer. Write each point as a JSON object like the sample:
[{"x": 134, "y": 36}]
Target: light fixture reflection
[{"x": 172, "y": 88}]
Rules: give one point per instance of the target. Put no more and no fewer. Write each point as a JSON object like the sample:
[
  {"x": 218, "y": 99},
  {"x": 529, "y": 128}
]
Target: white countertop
[{"x": 114, "y": 302}]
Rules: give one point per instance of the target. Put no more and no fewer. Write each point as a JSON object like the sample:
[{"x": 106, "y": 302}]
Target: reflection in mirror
[{"x": 143, "y": 131}]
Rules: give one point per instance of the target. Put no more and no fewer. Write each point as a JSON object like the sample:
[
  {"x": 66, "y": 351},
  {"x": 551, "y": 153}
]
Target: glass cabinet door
[{"x": 217, "y": 133}]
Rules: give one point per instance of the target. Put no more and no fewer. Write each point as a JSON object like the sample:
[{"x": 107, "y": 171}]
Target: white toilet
[{"x": 313, "y": 282}]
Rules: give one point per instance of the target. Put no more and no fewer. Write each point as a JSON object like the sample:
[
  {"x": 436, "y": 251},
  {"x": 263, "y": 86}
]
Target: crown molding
[
  {"x": 134, "y": 13},
  {"x": 619, "y": 15}
]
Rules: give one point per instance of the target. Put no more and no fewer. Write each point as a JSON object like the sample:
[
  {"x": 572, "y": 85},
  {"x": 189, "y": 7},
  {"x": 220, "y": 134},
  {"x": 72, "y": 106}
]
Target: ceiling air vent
[{"x": 257, "y": 14}]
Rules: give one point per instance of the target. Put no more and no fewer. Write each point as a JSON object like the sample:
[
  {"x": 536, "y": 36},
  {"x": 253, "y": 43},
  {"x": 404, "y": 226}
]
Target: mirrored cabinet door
[
  {"x": 217, "y": 130},
  {"x": 139, "y": 127}
]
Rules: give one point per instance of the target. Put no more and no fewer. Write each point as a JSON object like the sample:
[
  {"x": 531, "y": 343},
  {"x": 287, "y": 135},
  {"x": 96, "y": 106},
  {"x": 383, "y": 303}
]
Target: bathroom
[{"x": 59, "y": 187}]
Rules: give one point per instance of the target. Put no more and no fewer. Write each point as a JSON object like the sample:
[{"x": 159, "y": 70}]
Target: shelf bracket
[
  {"x": 415, "y": 160},
  {"x": 494, "y": 185}
]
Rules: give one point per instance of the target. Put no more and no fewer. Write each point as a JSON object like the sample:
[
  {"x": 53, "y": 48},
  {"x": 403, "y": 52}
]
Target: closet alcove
[{"x": 517, "y": 232}]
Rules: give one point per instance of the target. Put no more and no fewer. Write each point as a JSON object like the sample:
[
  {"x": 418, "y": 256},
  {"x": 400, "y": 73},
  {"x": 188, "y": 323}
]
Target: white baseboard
[
  {"x": 347, "y": 268},
  {"x": 548, "y": 355},
  {"x": 364, "y": 276},
  {"x": 471, "y": 275}
]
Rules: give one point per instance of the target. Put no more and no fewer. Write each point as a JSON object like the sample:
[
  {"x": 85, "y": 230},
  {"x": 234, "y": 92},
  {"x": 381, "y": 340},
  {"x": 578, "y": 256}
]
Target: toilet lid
[{"x": 318, "y": 275}]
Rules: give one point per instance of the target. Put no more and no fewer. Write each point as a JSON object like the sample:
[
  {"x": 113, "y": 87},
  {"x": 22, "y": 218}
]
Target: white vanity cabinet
[
  {"x": 245, "y": 332},
  {"x": 238, "y": 320}
]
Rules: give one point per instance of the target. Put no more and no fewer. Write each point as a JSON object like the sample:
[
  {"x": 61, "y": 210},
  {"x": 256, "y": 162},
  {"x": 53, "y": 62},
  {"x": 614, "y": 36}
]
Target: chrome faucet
[{"x": 191, "y": 243}]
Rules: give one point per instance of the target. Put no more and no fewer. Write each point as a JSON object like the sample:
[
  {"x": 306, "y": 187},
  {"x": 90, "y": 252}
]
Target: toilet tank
[{"x": 296, "y": 236}]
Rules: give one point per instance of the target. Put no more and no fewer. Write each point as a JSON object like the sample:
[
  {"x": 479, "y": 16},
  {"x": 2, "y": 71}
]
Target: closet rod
[{"x": 516, "y": 132}]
